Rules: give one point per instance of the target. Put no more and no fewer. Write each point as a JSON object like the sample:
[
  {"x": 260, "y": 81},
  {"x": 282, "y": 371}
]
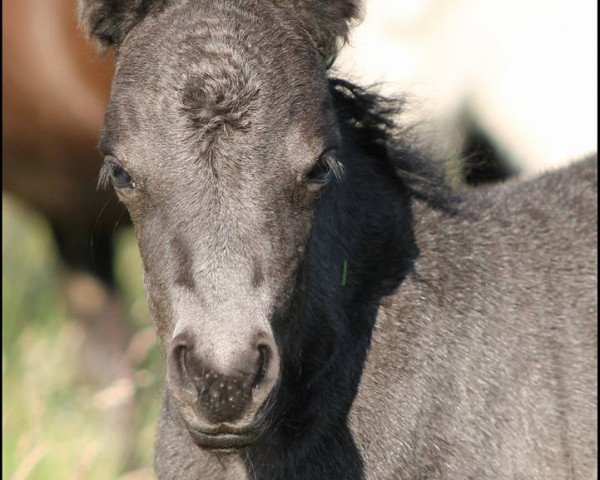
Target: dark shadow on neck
[{"x": 362, "y": 248}]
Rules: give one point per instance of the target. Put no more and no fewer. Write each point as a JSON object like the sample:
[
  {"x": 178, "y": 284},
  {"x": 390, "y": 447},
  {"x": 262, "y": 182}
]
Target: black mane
[{"x": 370, "y": 119}]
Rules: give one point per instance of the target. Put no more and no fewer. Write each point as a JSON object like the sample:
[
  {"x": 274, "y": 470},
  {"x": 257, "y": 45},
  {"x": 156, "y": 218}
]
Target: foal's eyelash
[
  {"x": 335, "y": 166},
  {"x": 103, "y": 177}
]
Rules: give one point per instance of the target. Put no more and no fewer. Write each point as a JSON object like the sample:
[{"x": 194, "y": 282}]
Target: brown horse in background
[{"x": 54, "y": 89}]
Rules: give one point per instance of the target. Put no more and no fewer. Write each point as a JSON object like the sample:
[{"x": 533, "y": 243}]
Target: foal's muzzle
[{"x": 220, "y": 400}]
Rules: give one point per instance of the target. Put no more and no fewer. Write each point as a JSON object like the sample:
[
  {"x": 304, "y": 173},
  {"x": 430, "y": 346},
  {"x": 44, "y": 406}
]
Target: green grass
[{"x": 53, "y": 424}]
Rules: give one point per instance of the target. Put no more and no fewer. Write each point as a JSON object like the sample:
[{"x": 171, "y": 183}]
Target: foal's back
[{"x": 485, "y": 358}]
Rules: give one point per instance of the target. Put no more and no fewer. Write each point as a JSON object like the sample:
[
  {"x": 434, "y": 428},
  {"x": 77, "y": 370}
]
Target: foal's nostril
[
  {"x": 179, "y": 363},
  {"x": 188, "y": 374},
  {"x": 185, "y": 367},
  {"x": 180, "y": 353},
  {"x": 263, "y": 363}
]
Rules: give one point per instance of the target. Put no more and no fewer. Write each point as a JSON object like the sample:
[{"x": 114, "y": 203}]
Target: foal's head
[{"x": 220, "y": 137}]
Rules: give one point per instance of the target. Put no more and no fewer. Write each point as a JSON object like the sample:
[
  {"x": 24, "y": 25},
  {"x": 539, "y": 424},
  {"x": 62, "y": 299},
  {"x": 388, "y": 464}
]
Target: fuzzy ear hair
[
  {"x": 109, "y": 21},
  {"x": 326, "y": 21}
]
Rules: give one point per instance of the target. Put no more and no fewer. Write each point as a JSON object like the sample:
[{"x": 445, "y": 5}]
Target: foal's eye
[
  {"x": 119, "y": 176},
  {"x": 325, "y": 169}
]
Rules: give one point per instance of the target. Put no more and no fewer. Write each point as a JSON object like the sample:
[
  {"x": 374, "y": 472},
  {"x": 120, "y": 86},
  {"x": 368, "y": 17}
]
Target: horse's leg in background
[{"x": 94, "y": 306}]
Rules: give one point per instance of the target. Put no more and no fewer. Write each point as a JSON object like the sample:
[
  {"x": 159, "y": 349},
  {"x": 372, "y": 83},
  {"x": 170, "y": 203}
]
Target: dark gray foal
[{"x": 327, "y": 310}]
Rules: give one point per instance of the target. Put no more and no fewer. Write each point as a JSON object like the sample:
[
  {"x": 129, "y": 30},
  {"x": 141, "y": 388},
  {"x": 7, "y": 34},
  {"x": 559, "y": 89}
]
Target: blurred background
[{"x": 495, "y": 88}]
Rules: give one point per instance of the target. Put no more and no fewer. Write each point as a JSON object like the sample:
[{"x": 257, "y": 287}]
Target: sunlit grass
[{"x": 53, "y": 423}]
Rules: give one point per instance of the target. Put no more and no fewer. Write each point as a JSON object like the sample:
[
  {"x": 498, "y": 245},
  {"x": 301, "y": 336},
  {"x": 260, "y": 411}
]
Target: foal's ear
[
  {"x": 326, "y": 21},
  {"x": 109, "y": 21}
]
